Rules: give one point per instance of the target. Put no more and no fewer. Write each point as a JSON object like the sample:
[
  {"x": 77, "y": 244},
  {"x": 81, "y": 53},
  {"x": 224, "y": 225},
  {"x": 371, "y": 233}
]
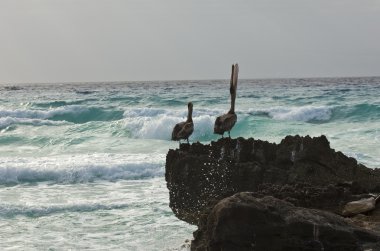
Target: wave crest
[
  {"x": 71, "y": 113},
  {"x": 6, "y": 122},
  {"x": 304, "y": 113},
  {"x": 10, "y": 210},
  {"x": 78, "y": 168},
  {"x": 158, "y": 123}
]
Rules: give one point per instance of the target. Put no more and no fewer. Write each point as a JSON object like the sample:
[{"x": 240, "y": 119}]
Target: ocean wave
[
  {"x": 161, "y": 127},
  {"x": 150, "y": 123},
  {"x": 72, "y": 113},
  {"x": 6, "y": 122},
  {"x": 153, "y": 112},
  {"x": 145, "y": 112},
  {"x": 11, "y": 210},
  {"x": 78, "y": 169},
  {"x": 303, "y": 113},
  {"x": 84, "y": 92},
  {"x": 12, "y": 88},
  {"x": 358, "y": 112},
  {"x": 60, "y": 103}
]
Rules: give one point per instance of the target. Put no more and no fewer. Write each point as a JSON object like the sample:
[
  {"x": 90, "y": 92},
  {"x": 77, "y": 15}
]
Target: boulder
[
  {"x": 245, "y": 222},
  {"x": 359, "y": 206}
]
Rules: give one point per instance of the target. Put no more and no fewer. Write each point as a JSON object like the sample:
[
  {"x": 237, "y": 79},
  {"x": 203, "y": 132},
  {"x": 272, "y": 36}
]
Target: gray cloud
[{"x": 116, "y": 40}]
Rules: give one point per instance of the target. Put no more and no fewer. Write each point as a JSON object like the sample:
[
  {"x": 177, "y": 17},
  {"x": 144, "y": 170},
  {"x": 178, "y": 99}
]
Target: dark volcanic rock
[
  {"x": 301, "y": 170},
  {"x": 331, "y": 197},
  {"x": 244, "y": 222}
]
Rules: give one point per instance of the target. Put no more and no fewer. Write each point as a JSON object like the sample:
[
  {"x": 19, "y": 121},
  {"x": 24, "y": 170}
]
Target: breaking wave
[
  {"x": 72, "y": 113},
  {"x": 157, "y": 123},
  {"x": 11, "y": 210},
  {"x": 357, "y": 112},
  {"x": 150, "y": 123},
  {"x": 6, "y": 122},
  {"x": 79, "y": 168},
  {"x": 303, "y": 113}
]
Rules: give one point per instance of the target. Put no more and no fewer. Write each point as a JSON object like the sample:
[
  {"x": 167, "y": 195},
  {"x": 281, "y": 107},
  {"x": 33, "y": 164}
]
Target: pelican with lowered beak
[
  {"x": 225, "y": 122},
  {"x": 184, "y": 129}
]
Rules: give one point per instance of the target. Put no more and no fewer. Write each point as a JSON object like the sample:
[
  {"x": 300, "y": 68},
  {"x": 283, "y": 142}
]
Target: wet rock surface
[{"x": 301, "y": 172}]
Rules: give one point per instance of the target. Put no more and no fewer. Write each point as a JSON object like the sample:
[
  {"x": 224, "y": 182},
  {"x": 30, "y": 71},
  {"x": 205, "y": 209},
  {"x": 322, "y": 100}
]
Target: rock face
[
  {"x": 244, "y": 222},
  {"x": 302, "y": 170}
]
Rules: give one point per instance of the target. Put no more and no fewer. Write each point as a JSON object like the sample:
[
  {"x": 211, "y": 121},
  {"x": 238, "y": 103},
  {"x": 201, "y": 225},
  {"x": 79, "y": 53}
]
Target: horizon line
[{"x": 179, "y": 80}]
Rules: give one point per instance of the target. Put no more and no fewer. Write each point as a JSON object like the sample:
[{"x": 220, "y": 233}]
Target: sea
[{"x": 82, "y": 164}]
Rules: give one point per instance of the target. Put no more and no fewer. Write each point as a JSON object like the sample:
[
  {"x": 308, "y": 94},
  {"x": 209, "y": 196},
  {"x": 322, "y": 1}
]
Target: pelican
[
  {"x": 227, "y": 121},
  {"x": 184, "y": 129}
]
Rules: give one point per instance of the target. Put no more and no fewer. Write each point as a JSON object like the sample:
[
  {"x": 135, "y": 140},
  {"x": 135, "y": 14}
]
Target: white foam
[
  {"x": 154, "y": 112},
  {"x": 144, "y": 112},
  {"x": 303, "y": 113},
  {"x": 43, "y": 114},
  {"x": 151, "y": 128},
  {"x": 8, "y": 121},
  {"x": 79, "y": 168},
  {"x": 10, "y": 210},
  {"x": 204, "y": 126}
]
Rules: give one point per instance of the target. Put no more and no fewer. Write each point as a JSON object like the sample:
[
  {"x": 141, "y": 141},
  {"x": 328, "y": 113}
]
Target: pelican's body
[
  {"x": 227, "y": 121},
  {"x": 184, "y": 129}
]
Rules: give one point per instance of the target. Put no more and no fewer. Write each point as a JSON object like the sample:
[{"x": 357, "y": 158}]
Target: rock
[
  {"x": 332, "y": 197},
  {"x": 244, "y": 222},
  {"x": 359, "y": 206},
  {"x": 247, "y": 194},
  {"x": 301, "y": 170}
]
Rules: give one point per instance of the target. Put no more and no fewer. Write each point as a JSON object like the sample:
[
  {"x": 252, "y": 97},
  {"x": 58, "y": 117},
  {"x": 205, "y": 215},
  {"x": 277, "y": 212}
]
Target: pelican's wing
[
  {"x": 186, "y": 130},
  {"x": 177, "y": 128},
  {"x": 226, "y": 121}
]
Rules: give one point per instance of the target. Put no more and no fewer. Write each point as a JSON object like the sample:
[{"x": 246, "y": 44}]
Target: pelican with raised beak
[{"x": 225, "y": 122}]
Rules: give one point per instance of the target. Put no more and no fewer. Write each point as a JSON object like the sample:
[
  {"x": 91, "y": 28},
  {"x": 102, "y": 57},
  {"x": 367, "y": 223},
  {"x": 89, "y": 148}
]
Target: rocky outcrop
[
  {"x": 247, "y": 194},
  {"x": 244, "y": 222},
  {"x": 302, "y": 170}
]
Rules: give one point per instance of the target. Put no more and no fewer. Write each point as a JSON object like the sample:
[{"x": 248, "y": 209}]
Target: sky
[{"x": 137, "y": 40}]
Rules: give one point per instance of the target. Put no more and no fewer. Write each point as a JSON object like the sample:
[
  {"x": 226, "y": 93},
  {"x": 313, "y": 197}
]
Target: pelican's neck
[
  {"x": 190, "y": 114},
  {"x": 233, "y": 86},
  {"x": 233, "y": 97}
]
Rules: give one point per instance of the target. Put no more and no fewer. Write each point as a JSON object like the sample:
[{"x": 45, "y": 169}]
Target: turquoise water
[{"x": 82, "y": 165}]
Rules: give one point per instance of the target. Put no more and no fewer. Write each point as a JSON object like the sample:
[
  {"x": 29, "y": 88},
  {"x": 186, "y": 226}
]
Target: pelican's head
[{"x": 190, "y": 105}]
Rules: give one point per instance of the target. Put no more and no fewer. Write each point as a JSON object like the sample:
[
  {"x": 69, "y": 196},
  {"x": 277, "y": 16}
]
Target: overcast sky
[{"x": 127, "y": 40}]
